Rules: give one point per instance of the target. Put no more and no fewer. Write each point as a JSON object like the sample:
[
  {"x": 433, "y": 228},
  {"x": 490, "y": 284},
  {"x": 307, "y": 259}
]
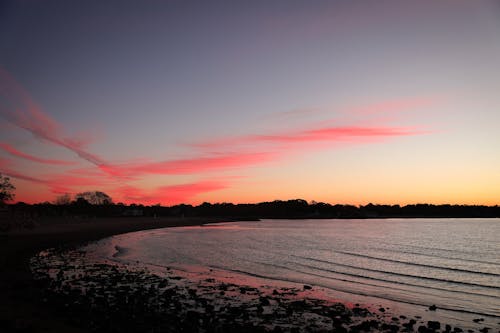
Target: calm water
[{"x": 453, "y": 263}]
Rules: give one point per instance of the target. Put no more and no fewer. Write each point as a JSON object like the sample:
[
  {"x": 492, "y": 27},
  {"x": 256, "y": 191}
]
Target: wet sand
[{"x": 22, "y": 308}]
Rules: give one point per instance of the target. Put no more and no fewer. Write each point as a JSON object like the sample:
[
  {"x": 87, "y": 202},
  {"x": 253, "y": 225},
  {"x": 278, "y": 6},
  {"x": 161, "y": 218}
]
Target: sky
[{"x": 350, "y": 102}]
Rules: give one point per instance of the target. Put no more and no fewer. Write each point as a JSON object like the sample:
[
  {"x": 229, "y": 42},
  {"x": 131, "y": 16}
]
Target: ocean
[{"x": 403, "y": 264}]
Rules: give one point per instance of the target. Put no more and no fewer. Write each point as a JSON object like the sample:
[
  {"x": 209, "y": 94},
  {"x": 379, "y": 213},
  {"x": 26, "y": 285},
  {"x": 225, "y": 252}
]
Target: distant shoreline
[{"x": 28, "y": 214}]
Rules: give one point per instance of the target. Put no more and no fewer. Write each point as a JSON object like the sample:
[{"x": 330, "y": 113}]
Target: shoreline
[
  {"x": 21, "y": 306},
  {"x": 106, "y": 294},
  {"x": 29, "y": 309}
]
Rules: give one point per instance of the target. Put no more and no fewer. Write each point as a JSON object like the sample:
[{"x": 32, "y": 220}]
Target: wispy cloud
[
  {"x": 17, "y": 107},
  {"x": 70, "y": 183},
  {"x": 14, "y": 152},
  {"x": 67, "y": 182},
  {"x": 362, "y": 124},
  {"x": 312, "y": 136},
  {"x": 334, "y": 134},
  {"x": 6, "y": 168},
  {"x": 171, "y": 194},
  {"x": 198, "y": 164}
]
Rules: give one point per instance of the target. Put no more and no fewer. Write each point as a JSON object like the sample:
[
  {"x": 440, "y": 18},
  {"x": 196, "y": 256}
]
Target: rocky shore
[
  {"x": 22, "y": 306},
  {"x": 64, "y": 292},
  {"x": 112, "y": 297}
]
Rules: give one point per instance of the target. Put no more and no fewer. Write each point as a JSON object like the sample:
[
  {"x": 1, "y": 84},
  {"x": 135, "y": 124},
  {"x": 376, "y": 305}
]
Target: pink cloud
[
  {"x": 69, "y": 183},
  {"x": 313, "y": 137},
  {"x": 198, "y": 164},
  {"x": 373, "y": 129},
  {"x": 171, "y": 194},
  {"x": 204, "y": 163},
  {"x": 14, "y": 152},
  {"x": 393, "y": 106},
  {"x": 270, "y": 151},
  {"x": 346, "y": 133},
  {"x": 18, "y": 175},
  {"x": 20, "y": 110},
  {"x": 6, "y": 167}
]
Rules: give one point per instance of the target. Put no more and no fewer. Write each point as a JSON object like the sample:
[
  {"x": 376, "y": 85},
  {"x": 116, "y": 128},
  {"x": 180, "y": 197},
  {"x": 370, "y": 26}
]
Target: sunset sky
[{"x": 389, "y": 102}]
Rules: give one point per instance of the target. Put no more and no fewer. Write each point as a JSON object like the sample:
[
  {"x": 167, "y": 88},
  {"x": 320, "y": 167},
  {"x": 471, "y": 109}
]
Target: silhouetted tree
[
  {"x": 95, "y": 198},
  {"x": 6, "y": 189},
  {"x": 63, "y": 200}
]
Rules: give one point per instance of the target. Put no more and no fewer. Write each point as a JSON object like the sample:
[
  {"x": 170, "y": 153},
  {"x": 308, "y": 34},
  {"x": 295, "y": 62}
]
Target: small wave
[
  {"x": 374, "y": 279},
  {"x": 393, "y": 273},
  {"x": 417, "y": 264},
  {"x": 440, "y": 257},
  {"x": 346, "y": 290}
]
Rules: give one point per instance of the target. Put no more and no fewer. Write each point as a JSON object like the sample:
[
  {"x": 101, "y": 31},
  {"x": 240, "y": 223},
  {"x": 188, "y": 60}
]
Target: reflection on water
[{"x": 452, "y": 263}]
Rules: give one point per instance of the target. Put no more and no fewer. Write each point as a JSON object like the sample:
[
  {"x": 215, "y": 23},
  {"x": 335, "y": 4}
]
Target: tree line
[
  {"x": 100, "y": 204},
  {"x": 289, "y": 209}
]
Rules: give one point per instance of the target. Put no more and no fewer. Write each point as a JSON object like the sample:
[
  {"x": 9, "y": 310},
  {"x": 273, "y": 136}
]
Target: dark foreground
[
  {"x": 111, "y": 297},
  {"x": 78, "y": 295},
  {"x": 22, "y": 306}
]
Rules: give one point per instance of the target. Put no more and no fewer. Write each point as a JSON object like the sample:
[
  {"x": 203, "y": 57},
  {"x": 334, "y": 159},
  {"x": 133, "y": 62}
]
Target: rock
[
  {"x": 457, "y": 330},
  {"x": 338, "y": 328},
  {"x": 360, "y": 312},
  {"x": 423, "y": 329},
  {"x": 307, "y": 287},
  {"x": 433, "y": 325},
  {"x": 277, "y": 329},
  {"x": 192, "y": 315},
  {"x": 390, "y": 327},
  {"x": 484, "y": 330},
  {"x": 338, "y": 309},
  {"x": 410, "y": 324},
  {"x": 264, "y": 301},
  {"x": 298, "y": 304},
  {"x": 447, "y": 328},
  {"x": 433, "y": 307},
  {"x": 381, "y": 310},
  {"x": 366, "y": 326}
]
